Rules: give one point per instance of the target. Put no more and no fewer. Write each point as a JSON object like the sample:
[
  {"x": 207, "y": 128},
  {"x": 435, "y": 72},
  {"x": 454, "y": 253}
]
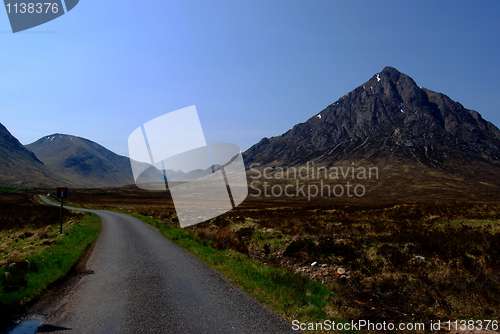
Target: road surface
[{"x": 143, "y": 283}]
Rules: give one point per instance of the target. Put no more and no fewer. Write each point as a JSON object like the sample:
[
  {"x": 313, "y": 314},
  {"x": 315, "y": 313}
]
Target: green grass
[
  {"x": 48, "y": 265},
  {"x": 9, "y": 189},
  {"x": 286, "y": 293},
  {"x": 491, "y": 223}
]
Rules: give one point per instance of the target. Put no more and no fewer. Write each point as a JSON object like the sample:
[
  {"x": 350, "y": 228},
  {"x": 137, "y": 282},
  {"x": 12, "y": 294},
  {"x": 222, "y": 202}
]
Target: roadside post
[{"x": 62, "y": 193}]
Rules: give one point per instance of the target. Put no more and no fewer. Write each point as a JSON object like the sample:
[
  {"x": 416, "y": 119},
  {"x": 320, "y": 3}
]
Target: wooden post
[
  {"x": 62, "y": 192},
  {"x": 60, "y": 219}
]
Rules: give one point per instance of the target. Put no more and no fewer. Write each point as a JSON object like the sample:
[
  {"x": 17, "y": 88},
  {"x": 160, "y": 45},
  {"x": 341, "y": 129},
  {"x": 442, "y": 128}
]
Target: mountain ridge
[
  {"x": 389, "y": 112},
  {"x": 83, "y": 159},
  {"x": 22, "y": 168}
]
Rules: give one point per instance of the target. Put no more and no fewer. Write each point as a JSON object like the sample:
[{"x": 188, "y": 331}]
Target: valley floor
[
  {"x": 402, "y": 262},
  {"x": 397, "y": 263}
]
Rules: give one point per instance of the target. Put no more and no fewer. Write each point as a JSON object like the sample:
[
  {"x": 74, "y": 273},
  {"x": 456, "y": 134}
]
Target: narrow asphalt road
[{"x": 143, "y": 283}]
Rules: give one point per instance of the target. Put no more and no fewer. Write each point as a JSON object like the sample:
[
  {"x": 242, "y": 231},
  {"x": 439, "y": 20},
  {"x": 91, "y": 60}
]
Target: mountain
[
  {"x": 391, "y": 122},
  {"x": 387, "y": 115},
  {"x": 84, "y": 160},
  {"x": 19, "y": 167}
]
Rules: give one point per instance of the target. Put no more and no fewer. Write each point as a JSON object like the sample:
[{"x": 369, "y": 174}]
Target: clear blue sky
[{"x": 252, "y": 68}]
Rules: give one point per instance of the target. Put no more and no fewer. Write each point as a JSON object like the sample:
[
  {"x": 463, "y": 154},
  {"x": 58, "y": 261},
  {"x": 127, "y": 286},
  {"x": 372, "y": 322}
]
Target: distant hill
[
  {"x": 19, "y": 167},
  {"x": 84, "y": 160},
  {"x": 422, "y": 141}
]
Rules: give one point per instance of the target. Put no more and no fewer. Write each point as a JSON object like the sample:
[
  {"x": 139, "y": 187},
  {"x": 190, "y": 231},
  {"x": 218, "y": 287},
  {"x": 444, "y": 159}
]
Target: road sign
[{"x": 62, "y": 192}]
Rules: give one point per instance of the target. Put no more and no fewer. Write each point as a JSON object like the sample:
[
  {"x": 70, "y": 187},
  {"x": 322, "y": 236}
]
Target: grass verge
[
  {"x": 291, "y": 295},
  {"x": 8, "y": 189},
  {"x": 24, "y": 279}
]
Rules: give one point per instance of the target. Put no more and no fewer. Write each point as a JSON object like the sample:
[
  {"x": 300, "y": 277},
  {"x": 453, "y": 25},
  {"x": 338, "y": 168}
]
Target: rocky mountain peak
[{"x": 388, "y": 115}]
